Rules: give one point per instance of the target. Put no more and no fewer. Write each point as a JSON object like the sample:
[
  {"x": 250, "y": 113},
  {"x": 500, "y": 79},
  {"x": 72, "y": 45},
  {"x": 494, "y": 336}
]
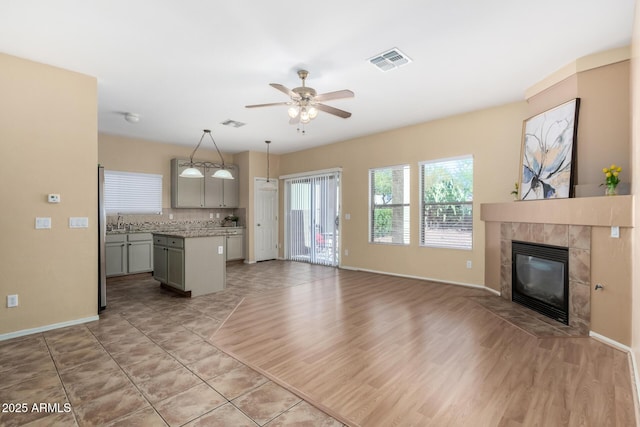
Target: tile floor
[{"x": 148, "y": 362}]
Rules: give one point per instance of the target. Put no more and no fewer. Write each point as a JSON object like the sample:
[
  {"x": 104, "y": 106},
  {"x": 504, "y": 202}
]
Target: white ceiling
[{"x": 188, "y": 65}]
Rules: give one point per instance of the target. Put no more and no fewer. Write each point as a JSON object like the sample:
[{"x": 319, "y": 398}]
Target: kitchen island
[{"x": 192, "y": 263}]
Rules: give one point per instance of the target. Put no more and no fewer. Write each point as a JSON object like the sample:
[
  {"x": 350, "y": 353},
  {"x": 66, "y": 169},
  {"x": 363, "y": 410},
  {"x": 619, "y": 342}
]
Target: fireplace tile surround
[{"x": 578, "y": 239}]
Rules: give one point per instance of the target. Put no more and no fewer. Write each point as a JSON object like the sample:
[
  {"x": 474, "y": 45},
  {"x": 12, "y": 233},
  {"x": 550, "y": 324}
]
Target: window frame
[
  {"x": 406, "y": 183},
  {"x": 423, "y": 241}
]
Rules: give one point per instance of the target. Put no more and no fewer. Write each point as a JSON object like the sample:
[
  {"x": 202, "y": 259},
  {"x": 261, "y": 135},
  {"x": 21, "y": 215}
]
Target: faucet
[{"x": 120, "y": 222}]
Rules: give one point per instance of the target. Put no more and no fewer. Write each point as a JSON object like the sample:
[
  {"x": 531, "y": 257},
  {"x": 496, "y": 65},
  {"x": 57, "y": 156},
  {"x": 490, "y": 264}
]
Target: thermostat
[{"x": 54, "y": 198}]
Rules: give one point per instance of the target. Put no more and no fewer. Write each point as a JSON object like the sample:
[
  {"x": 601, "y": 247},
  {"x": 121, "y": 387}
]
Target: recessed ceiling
[{"x": 190, "y": 65}]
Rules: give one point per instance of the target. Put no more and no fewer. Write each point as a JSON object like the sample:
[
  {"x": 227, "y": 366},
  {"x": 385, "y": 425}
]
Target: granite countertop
[
  {"x": 182, "y": 232},
  {"x": 206, "y": 232}
]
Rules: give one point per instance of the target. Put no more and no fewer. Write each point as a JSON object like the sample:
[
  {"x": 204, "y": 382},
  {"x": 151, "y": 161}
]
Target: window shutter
[{"x": 131, "y": 192}]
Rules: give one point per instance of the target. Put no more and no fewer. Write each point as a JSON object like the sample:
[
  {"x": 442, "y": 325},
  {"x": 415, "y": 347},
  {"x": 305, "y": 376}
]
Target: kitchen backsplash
[{"x": 175, "y": 219}]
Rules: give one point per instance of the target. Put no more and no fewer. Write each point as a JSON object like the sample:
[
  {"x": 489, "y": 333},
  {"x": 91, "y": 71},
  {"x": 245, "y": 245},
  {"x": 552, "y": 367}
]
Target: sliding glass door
[{"x": 311, "y": 220}]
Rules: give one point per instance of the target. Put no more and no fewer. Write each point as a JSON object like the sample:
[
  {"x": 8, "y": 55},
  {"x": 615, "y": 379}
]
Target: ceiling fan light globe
[
  {"x": 304, "y": 115},
  {"x": 293, "y": 112},
  {"x": 313, "y": 112},
  {"x": 191, "y": 173},
  {"x": 222, "y": 174}
]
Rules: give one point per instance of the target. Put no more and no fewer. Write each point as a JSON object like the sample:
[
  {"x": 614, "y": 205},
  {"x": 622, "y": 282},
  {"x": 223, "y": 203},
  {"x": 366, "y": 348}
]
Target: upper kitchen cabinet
[
  {"x": 203, "y": 193},
  {"x": 221, "y": 193}
]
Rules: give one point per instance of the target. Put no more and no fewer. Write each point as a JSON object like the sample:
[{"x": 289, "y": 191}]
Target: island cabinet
[
  {"x": 207, "y": 192},
  {"x": 128, "y": 253},
  {"x": 193, "y": 265}
]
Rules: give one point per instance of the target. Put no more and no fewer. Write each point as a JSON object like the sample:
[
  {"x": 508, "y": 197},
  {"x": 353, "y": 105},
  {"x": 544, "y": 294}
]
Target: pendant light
[
  {"x": 269, "y": 185},
  {"x": 193, "y": 169}
]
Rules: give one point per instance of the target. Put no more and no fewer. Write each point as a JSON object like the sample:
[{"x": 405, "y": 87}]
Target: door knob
[{"x": 258, "y": 225}]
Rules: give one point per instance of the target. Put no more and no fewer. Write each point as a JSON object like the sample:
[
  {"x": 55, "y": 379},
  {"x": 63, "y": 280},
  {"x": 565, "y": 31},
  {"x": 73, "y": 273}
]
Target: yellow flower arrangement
[{"x": 611, "y": 177}]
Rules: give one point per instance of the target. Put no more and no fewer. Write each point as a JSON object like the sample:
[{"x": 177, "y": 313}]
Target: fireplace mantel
[{"x": 592, "y": 211}]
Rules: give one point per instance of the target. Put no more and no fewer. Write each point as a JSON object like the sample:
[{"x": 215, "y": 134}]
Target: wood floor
[{"x": 374, "y": 350}]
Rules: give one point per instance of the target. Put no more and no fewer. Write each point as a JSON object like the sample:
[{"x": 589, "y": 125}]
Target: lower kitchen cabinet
[
  {"x": 193, "y": 264},
  {"x": 128, "y": 253},
  {"x": 235, "y": 245}
]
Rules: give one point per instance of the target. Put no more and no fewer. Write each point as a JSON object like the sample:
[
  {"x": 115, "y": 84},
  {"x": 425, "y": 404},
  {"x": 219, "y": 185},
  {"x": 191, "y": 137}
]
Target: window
[
  {"x": 130, "y": 192},
  {"x": 446, "y": 193},
  {"x": 389, "y": 205}
]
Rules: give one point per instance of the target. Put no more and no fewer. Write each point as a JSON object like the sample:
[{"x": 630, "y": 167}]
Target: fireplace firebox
[{"x": 540, "y": 278}]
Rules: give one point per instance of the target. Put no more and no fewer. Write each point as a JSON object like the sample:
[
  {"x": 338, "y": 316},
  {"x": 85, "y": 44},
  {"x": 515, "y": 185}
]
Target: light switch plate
[
  {"x": 78, "y": 222},
  {"x": 220, "y": 250},
  {"x": 43, "y": 223}
]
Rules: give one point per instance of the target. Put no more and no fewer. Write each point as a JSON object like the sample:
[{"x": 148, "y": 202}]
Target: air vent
[
  {"x": 390, "y": 60},
  {"x": 233, "y": 123}
]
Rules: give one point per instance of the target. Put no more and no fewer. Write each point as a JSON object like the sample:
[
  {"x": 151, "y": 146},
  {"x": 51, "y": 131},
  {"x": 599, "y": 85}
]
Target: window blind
[
  {"x": 446, "y": 195},
  {"x": 311, "y": 220},
  {"x": 389, "y": 197},
  {"x": 131, "y": 192}
]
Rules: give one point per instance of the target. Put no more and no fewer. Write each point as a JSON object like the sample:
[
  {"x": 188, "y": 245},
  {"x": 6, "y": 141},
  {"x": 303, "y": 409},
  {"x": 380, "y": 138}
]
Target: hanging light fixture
[
  {"x": 193, "y": 169},
  {"x": 269, "y": 185}
]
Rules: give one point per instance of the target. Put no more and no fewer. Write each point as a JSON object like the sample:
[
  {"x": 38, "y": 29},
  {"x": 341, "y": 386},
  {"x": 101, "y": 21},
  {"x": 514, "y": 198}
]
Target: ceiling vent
[
  {"x": 233, "y": 123},
  {"x": 390, "y": 60}
]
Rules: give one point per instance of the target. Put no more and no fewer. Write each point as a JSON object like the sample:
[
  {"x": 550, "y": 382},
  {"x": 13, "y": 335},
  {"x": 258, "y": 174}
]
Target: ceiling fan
[{"x": 305, "y": 102}]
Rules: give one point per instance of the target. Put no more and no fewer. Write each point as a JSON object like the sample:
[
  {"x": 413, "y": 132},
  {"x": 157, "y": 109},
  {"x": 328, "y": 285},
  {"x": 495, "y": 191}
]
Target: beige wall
[
  {"x": 635, "y": 159},
  {"x": 492, "y": 136},
  {"x": 48, "y": 144},
  {"x": 603, "y": 122}
]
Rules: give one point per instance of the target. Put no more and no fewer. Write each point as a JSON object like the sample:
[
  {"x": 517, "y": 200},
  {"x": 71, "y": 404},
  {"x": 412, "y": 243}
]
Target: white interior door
[{"x": 265, "y": 219}]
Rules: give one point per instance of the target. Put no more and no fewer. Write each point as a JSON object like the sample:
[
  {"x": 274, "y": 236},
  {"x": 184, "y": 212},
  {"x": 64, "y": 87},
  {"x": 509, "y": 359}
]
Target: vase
[{"x": 611, "y": 190}]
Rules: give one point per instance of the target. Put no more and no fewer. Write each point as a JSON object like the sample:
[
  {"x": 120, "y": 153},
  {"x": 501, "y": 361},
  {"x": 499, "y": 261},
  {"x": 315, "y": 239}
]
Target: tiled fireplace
[{"x": 577, "y": 238}]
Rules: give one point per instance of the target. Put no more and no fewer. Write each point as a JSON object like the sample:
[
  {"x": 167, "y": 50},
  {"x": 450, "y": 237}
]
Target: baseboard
[
  {"x": 634, "y": 364},
  {"x": 431, "y": 279},
  {"x": 46, "y": 328}
]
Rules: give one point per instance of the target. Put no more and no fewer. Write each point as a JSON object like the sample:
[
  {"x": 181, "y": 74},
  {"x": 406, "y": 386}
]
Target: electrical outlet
[
  {"x": 217, "y": 215},
  {"x": 615, "y": 232},
  {"x": 211, "y": 215},
  {"x": 12, "y": 301},
  {"x": 170, "y": 216},
  {"x": 220, "y": 250},
  {"x": 469, "y": 264}
]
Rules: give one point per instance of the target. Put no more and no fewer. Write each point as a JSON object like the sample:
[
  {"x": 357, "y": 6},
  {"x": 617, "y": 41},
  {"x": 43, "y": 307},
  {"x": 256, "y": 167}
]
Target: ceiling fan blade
[
  {"x": 266, "y": 105},
  {"x": 283, "y": 89},
  {"x": 339, "y": 94},
  {"x": 334, "y": 111}
]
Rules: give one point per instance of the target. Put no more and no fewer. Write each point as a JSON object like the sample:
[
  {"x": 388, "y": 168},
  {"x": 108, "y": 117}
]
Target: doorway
[
  {"x": 312, "y": 218},
  {"x": 266, "y": 219}
]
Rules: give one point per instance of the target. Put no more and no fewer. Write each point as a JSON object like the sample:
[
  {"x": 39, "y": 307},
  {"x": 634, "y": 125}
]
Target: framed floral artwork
[{"x": 548, "y": 153}]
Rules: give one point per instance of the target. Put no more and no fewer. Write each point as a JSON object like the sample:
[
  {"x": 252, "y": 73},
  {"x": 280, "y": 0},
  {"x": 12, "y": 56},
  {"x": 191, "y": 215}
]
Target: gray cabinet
[
  {"x": 116, "y": 255},
  {"x": 207, "y": 192},
  {"x": 235, "y": 245},
  {"x": 194, "y": 264},
  {"x": 222, "y": 193},
  {"x": 169, "y": 261},
  {"x": 128, "y": 253}
]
